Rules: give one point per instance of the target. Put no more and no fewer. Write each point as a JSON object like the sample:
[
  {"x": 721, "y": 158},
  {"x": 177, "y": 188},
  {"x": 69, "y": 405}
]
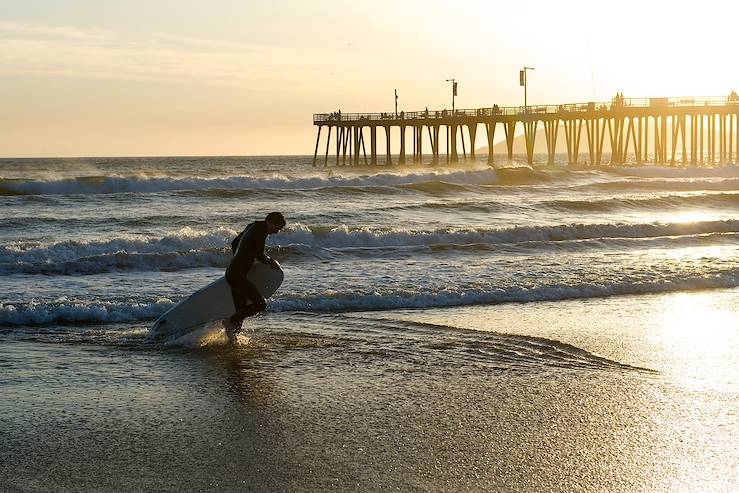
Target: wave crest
[
  {"x": 64, "y": 311},
  {"x": 188, "y": 249},
  {"x": 344, "y": 236},
  {"x": 149, "y": 184}
]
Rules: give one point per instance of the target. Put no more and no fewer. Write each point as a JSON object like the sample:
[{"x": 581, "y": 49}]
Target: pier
[{"x": 697, "y": 131}]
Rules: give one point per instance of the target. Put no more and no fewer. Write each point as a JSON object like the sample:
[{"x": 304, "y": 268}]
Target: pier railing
[{"x": 589, "y": 106}]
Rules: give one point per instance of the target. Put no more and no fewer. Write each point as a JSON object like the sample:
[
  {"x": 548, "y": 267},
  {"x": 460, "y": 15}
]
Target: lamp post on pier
[
  {"x": 522, "y": 81},
  {"x": 454, "y": 92}
]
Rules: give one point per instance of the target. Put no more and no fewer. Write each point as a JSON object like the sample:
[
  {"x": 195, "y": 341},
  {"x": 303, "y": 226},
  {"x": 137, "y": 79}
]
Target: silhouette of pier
[{"x": 684, "y": 130}]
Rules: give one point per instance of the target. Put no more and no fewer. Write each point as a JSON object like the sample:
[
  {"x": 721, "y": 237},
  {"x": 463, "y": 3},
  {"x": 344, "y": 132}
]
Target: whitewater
[{"x": 357, "y": 239}]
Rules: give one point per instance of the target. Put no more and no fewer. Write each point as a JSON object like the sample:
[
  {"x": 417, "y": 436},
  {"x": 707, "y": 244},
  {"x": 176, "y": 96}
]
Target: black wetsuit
[{"x": 248, "y": 246}]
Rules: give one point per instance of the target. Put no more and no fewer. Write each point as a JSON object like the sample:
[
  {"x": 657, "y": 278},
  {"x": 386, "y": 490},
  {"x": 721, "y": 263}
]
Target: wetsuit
[{"x": 247, "y": 246}]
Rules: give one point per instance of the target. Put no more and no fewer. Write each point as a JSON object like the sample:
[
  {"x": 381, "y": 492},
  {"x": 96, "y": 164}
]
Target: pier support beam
[
  {"x": 318, "y": 138},
  {"x": 645, "y": 128},
  {"x": 461, "y": 134},
  {"x": 509, "y": 128},
  {"x": 472, "y": 130},
  {"x": 573, "y": 129},
  {"x": 401, "y": 157},
  {"x": 355, "y": 143},
  {"x": 730, "y": 138},
  {"x": 490, "y": 130},
  {"x": 328, "y": 140},
  {"x": 675, "y": 132},
  {"x": 616, "y": 132},
  {"x": 693, "y": 140},
  {"x": 373, "y": 145},
  {"x": 339, "y": 139},
  {"x": 601, "y": 131},
  {"x": 453, "y": 143},
  {"x": 722, "y": 139},
  {"x": 529, "y": 129},
  {"x": 590, "y": 133},
  {"x": 361, "y": 141},
  {"x": 657, "y": 141},
  {"x": 701, "y": 131},
  {"x": 434, "y": 144},
  {"x": 388, "y": 157},
  {"x": 551, "y": 129},
  {"x": 683, "y": 120},
  {"x": 345, "y": 145},
  {"x": 630, "y": 136},
  {"x": 664, "y": 137},
  {"x": 419, "y": 143}
]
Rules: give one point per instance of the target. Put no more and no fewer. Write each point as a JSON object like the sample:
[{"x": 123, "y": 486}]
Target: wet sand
[{"x": 623, "y": 394}]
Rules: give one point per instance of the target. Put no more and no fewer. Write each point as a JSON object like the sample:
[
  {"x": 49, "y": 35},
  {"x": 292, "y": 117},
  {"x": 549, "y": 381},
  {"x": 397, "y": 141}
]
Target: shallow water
[{"x": 438, "y": 329}]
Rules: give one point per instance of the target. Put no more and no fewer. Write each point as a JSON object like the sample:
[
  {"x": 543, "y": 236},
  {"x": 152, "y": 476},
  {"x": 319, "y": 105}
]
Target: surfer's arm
[
  {"x": 264, "y": 258},
  {"x": 267, "y": 260},
  {"x": 235, "y": 243}
]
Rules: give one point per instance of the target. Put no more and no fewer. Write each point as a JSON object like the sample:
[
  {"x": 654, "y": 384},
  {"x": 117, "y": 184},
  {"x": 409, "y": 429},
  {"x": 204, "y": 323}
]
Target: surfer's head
[{"x": 275, "y": 222}]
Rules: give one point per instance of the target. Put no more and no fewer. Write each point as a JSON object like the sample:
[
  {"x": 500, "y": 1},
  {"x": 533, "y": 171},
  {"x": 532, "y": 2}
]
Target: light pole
[
  {"x": 522, "y": 81},
  {"x": 454, "y": 92},
  {"x": 396, "y": 104}
]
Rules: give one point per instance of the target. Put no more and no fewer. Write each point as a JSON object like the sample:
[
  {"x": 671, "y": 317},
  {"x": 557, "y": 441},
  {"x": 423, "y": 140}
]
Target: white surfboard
[{"x": 213, "y": 302}]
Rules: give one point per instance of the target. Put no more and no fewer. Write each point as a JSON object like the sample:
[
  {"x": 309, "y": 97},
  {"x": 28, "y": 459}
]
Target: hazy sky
[{"x": 222, "y": 77}]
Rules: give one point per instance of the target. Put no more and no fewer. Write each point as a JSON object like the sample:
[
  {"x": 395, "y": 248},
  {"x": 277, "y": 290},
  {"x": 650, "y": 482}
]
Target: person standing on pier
[{"x": 247, "y": 247}]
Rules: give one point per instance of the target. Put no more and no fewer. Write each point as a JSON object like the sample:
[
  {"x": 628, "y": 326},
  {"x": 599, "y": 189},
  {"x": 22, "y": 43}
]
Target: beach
[{"x": 449, "y": 328}]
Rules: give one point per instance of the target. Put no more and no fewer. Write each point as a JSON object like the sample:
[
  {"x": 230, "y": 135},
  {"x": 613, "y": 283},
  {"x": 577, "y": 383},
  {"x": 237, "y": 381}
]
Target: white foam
[
  {"x": 211, "y": 335},
  {"x": 79, "y": 311},
  {"x": 184, "y": 240},
  {"x": 192, "y": 249},
  {"x": 343, "y": 236},
  {"x": 66, "y": 310},
  {"x": 361, "y": 301},
  {"x": 675, "y": 172},
  {"x": 148, "y": 184}
]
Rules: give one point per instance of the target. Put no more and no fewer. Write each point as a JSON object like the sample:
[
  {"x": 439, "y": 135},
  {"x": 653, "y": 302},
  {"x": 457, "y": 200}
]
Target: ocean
[{"x": 440, "y": 328}]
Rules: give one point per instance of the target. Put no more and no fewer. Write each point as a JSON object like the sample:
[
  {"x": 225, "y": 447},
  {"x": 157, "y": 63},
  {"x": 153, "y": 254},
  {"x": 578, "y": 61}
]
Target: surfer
[{"x": 246, "y": 247}]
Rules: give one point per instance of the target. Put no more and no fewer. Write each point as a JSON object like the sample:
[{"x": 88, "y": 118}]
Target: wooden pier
[{"x": 686, "y": 131}]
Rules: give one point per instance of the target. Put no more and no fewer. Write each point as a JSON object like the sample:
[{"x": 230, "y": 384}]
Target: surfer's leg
[
  {"x": 258, "y": 303},
  {"x": 241, "y": 303}
]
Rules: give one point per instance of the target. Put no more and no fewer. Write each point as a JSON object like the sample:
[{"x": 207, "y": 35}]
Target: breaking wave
[
  {"x": 676, "y": 185},
  {"x": 344, "y": 236},
  {"x": 673, "y": 171},
  {"x": 433, "y": 181},
  {"x": 65, "y": 311},
  {"x": 184, "y": 240},
  {"x": 400, "y": 299},
  {"x": 660, "y": 203},
  {"x": 148, "y": 184},
  {"x": 189, "y": 249}
]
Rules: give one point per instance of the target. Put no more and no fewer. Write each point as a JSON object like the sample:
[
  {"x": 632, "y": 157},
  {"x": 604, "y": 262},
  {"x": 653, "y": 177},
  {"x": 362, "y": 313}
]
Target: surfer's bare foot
[{"x": 231, "y": 329}]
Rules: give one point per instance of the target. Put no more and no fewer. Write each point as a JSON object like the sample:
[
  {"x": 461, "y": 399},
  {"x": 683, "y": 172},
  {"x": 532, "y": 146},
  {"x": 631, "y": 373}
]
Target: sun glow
[
  {"x": 694, "y": 217},
  {"x": 199, "y": 83},
  {"x": 700, "y": 330}
]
